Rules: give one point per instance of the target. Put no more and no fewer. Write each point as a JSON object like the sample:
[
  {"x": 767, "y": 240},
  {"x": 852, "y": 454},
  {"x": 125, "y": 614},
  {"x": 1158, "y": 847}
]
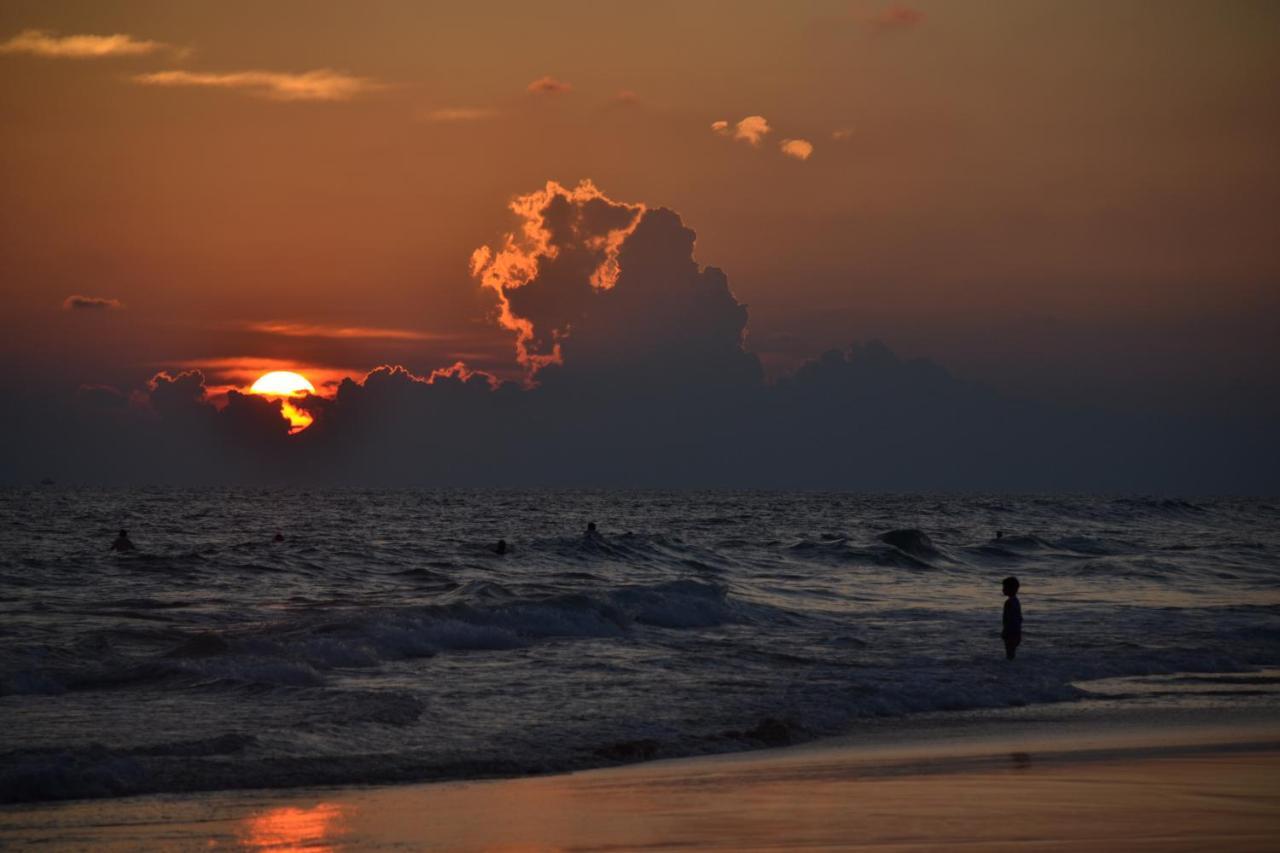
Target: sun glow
[{"x": 283, "y": 385}]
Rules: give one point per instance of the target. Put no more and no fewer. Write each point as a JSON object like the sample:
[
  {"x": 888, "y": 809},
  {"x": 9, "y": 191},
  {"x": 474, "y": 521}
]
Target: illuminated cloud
[
  {"x": 548, "y": 85},
  {"x": 626, "y": 97},
  {"x": 457, "y": 372},
  {"x": 897, "y": 17},
  {"x": 50, "y": 45},
  {"x": 593, "y": 287},
  {"x": 241, "y": 371},
  {"x": 76, "y": 302},
  {"x": 800, "y": 149},
  {"x": 752, "y": 129},
  {"x": 178, "y": 390},
  {"x": 579, "y": 228},
  {"x": 319, "y": 85},
  {"x": 452, "y": 114},
  {"x": 317, "y": 330},
  {"x": 842, "y": 134}
]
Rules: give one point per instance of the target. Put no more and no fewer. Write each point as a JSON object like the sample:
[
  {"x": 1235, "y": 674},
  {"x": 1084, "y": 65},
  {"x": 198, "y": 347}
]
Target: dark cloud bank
[{"x": 639, "y": 374}]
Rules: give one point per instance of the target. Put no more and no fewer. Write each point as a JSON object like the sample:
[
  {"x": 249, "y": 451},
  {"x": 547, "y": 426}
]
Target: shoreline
[{"x": 1204, "y": 778}]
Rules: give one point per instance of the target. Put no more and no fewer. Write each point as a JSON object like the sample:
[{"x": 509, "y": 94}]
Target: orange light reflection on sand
[{"x": 293, "y": 829}]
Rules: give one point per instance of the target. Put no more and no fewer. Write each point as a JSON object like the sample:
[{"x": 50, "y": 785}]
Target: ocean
[{"x": 383, "y": 640}]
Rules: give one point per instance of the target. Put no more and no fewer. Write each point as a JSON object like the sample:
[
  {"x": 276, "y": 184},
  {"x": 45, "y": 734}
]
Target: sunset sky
[{"x": 1071, "y": 201}]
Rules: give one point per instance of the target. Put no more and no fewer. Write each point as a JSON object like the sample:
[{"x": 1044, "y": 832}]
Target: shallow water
[{"x": 384, "y": 641}]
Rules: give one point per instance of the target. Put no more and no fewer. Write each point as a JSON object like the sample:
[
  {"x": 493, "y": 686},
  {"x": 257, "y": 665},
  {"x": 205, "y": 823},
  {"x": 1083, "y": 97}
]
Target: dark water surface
[{"x": 383, "y": 640}]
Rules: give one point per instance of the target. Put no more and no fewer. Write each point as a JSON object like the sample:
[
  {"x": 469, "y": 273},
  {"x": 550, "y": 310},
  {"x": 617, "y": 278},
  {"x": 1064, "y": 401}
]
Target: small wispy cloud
[
  {"x": 800, "y": 149},
  {"x": 319, "y": 330},
  {"x": 626, "y": 97},
  {"x": 842, "y": 134},
  {"x": 548, "y": 85},
  {"x": 51, "y": 45},
  {"x": 76, "y": 302},
  {"x": 897, "y": 17},
  {"x": 319, "y": 85},
  {"x": 460, "y": 114},
  {"x": 751, "y": 129}
]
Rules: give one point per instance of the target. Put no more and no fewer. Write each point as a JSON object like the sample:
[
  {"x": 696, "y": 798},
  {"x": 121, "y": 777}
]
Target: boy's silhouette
[{"x": 1012, "y": 631}]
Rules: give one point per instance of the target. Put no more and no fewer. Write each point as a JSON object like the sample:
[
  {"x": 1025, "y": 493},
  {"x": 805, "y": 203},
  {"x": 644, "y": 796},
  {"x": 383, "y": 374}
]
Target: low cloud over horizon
[{"x": 637, "y": 373}]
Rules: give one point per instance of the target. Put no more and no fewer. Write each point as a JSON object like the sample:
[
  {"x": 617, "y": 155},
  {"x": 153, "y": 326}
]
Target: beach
[{"x": 1039, "y": 779}]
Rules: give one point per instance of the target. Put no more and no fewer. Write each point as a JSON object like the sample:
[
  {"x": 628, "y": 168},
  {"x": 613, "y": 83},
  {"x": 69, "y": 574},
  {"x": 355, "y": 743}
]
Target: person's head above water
[
  {"x": 1010, "y": 585},
  {"x": 124, "y": 534},
  {"x": 591, "y": 527}
]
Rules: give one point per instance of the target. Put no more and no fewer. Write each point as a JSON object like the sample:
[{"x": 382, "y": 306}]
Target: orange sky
[{"x": 1079, "y": 198}]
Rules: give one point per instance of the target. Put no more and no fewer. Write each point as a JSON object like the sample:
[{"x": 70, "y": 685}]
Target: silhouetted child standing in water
[{"x": 1012, "y": 632}]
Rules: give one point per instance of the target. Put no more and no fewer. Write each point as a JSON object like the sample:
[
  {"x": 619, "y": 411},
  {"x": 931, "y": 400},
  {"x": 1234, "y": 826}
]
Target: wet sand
[{"x": 1002, "y": 784}]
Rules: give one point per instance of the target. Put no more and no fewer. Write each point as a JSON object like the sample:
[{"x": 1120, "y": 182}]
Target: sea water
[{"x": 384, "y": 640}]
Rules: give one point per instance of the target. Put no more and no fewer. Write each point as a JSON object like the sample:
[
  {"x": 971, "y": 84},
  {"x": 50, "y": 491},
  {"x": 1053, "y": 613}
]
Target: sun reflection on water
[{"x": 287, "y": 829}]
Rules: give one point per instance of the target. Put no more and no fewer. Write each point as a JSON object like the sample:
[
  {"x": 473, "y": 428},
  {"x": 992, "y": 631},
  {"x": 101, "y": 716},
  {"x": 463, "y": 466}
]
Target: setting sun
[{"x": 284, "y": 384}]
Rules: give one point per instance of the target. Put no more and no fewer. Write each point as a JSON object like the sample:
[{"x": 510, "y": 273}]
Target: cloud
[
  {"x": 455, "y": 114},
  {"x": 319, "y": 330},
  {"x": 76, "y": 302},
  {"x": 176, "y": 392},
  {"x": 800, "y": 149},
  {"x": 642, "y": 377},
  {"x": 842, "y": 134},
  {"x": 241, "y": 371},
  {"x": 558, "y": 228},
  {"x": 319, "y": 85},
  {"x": 595, "y": 285},
  {"x": 101, "y": 397},
  {"x": 626, "y": 97},
  {"x": 48, "y": 44},
  {"x": 859, "y": 418},
  {"x": 897, "y": 17},
  {"x": 548, "y": 85},
  {"x": 752, "y": 129}
]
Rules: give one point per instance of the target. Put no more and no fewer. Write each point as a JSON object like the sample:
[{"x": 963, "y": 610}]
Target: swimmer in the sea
[
  {"x": 279, "y": 537},
  {"x": 501, "y": 548},
  {"x": 122, "y": 542}
]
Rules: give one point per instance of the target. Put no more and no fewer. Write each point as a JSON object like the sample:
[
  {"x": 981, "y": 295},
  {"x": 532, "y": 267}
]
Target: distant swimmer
[
  {"x": 1012, "y": 630},
  {"x": 122, "y": 542},
  {"x": 279, "y": 537},
  {"x": 999, "y": 534},
  {"x": 500, "y": 548},
  {"x": 591, "y": 533}
]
